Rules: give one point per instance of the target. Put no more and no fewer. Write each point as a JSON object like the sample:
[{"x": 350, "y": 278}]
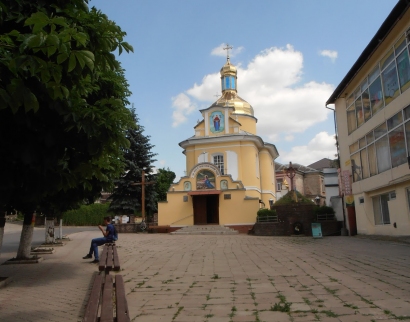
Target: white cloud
[
  {"x": 219, "y": 51},
  {"x": 289, "y": 138},
  {"x": 321, "y": 146},
  {"x": 182, "y": 106},
  {"x": 271, "y": 83},
  {"x": 332, "y": 54}
]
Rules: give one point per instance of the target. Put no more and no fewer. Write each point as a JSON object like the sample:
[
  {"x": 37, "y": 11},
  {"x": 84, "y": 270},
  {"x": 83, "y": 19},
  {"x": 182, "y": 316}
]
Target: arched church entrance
[
  {"x": 205, "y": 198},
  {"x": 206, "y": 209}
]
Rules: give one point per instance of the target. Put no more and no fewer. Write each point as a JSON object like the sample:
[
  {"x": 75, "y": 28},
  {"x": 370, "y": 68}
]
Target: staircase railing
[{"x": 182, "y": 219}]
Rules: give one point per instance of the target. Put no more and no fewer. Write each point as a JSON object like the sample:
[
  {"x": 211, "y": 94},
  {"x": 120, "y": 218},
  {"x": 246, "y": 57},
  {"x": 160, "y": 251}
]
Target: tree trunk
[
  {"x": 2, "y": 224},
  {"x": 26, "y": 236},
  {"x": 50, "y": 239}
]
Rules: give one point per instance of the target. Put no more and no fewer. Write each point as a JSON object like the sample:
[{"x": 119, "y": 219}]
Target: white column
[
  {"x": 226, "y": 121},
  {"x": 206, "y": 123},
  {"x": 232, "y": 164}
]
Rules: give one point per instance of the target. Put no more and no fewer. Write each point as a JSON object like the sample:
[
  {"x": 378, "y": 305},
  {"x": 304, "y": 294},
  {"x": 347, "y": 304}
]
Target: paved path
[{"x": 222, "y": 278}]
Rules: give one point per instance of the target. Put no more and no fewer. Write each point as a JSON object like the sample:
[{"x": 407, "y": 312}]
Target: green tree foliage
[
  {"x": 138, "y": 157},
  {"x": 63, "y": 99},
  {"x": 164, "y": 179}
]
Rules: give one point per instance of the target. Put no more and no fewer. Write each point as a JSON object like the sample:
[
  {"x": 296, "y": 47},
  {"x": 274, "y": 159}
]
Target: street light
[{"x": 317, "y": 200}]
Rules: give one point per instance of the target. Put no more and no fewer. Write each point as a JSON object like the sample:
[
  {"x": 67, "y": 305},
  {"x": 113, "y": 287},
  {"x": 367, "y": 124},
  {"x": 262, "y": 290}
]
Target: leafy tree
[
  {"x": 63, "y": 100},
  {"x": 164, "y": 179},
  {"x": 138, "y": 157}
]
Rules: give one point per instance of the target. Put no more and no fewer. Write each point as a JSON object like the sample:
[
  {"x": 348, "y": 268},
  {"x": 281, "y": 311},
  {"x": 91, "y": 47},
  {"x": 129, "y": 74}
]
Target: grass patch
[
  {"x": 233, "y": 310},
  {"x": 282, "y": 305},
  {"x": 215, "y": 277},
  {"x": 351, "y": 306},
  {"x": 177, "y": 313},
  {"x": 330, "y": 314},
  {"x": 333, "y": 292}
]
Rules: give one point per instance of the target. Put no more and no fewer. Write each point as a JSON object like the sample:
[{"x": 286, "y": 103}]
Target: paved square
[{"x": 222, "y": 278}]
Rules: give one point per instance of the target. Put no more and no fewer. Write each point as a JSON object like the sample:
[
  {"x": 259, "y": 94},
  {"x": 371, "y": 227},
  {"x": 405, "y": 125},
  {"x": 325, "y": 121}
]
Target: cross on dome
[{"x": 227, "y": 50}]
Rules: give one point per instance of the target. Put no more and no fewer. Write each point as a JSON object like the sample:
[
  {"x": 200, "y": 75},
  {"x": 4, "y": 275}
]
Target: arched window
[{"x": 219, "y": 162}]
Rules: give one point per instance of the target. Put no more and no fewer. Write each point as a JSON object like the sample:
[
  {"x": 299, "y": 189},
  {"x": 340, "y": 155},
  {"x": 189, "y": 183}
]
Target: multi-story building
[{"x": 372, "y": 106}]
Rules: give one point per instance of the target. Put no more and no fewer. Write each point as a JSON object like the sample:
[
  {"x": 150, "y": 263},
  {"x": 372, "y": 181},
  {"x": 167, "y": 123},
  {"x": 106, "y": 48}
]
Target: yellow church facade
[{"x": 230, "y": 170}]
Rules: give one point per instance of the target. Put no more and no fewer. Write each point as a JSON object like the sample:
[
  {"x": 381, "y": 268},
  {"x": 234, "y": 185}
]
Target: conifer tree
[{"x": 138, "y": 157}]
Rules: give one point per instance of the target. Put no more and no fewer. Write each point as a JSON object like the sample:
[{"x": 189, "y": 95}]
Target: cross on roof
[{"x": 227, "y": 50}]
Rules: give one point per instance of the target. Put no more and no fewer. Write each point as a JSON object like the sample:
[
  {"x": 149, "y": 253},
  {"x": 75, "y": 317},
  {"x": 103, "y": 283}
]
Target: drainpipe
[{"x": 343, "y": 231}]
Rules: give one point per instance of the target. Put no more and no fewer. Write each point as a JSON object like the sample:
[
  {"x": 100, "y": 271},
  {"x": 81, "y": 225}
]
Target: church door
[
  {"x": 206, "y": 209},
  {"x": 199, "y": 210}
]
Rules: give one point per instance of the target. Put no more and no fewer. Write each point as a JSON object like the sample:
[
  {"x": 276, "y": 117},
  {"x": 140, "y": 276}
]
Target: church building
[{"x": 230, "y": 170}]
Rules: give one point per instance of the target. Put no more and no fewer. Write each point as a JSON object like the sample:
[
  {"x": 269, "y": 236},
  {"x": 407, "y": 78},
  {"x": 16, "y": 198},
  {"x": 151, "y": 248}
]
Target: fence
[
  {"x": 269, "y": 218},
  {"x": 325, "y": 217}
]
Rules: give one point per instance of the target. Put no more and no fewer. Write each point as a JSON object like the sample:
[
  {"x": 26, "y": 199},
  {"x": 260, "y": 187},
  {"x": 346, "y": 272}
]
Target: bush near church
[
  {"x": 325, "y": 210},
  {"x": 289, "y": 199},
  {"x": 265, "y": 214}
]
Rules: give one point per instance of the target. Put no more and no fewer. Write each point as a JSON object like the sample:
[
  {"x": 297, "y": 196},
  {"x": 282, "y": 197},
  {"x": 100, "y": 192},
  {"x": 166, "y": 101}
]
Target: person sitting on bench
[{"x": 108, "y": 238}]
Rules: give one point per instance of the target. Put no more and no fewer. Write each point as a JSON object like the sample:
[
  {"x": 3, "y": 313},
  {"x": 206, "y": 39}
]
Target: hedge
[{"x": 87, "y": 215}]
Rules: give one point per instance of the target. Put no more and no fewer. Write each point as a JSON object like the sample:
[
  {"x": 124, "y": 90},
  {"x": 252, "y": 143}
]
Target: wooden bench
[
  {"x": 109, "y": 260},
  {"x": 105, "y": 289}
]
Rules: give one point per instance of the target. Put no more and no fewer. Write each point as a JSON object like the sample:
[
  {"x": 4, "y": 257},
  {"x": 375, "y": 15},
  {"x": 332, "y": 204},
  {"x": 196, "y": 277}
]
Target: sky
[{"x": 290, "y": 56}]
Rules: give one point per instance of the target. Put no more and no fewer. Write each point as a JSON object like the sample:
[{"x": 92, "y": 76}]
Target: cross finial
[{"x": 227, "y": 50}]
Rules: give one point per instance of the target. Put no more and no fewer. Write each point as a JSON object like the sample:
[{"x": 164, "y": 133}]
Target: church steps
[{"x": 205, "y": 230}]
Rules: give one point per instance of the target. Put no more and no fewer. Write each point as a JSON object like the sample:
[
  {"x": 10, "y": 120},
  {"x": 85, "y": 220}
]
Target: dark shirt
[{"x": 110, "y": 229}]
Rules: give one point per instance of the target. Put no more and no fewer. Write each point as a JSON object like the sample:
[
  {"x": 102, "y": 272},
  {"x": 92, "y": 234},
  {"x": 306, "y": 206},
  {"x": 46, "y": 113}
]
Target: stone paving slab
[{"x": 221, "y": 278}]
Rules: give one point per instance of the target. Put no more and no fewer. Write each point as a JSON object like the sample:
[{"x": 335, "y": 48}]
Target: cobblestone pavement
[{"x": 222, "y": 278}]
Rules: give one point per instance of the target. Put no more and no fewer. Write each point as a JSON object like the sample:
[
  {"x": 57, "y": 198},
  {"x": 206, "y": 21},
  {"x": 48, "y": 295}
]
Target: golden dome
[
  {"x": 228, "y": 69},
  {"x": 230, "y": 96},
  {"x": 231, "y": 99}
]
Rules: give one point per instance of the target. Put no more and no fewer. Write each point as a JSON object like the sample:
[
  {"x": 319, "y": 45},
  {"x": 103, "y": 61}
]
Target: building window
[
  {"x": 219, "y": 162},
  {"x": 279, "y": 183},
  {"x": 386, "y": 146},
  {"x": 389, "y": 78},
  {"x": 228, "y": 82},
  {"x": 381, "y": 208},
  {"x": 408, "y": 196}
]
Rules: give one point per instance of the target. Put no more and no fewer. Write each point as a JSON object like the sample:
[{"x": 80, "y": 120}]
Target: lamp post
[{"x": 317, "y": 200}]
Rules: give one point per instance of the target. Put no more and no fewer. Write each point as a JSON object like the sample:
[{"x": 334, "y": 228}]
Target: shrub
[
  {"x": 264, "y": 212},
  {"x": 289, "y": 199},
  {"x": 324, "y": 210},
  {"x": 87, "y": 215}
]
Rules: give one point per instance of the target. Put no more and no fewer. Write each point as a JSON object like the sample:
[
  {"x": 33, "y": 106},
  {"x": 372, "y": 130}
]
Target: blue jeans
[{"x": 94, "y": 246}]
